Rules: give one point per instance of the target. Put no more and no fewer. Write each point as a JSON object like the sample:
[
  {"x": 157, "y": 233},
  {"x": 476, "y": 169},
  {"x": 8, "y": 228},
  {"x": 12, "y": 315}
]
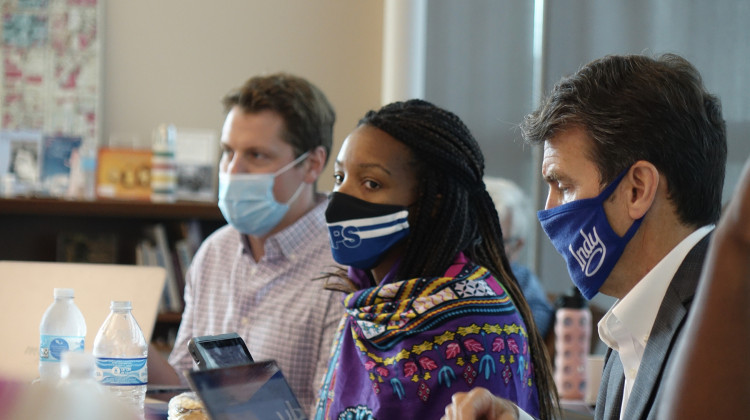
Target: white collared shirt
[{"x": 626, "y": 326}]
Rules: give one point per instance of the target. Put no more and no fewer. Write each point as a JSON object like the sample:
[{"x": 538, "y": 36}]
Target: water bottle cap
[
  {"x": 573, "y": 299},
  {"x": 60, "y": 293},
  {"x": 120, "y": 304}
]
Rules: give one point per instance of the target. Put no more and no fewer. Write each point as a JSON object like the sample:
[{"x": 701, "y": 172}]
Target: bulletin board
[{"x": 51, "y": 67}]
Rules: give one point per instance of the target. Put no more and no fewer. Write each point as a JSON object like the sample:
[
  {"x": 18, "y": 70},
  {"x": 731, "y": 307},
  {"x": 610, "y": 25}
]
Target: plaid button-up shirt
[{"x": 275, "y": 304}]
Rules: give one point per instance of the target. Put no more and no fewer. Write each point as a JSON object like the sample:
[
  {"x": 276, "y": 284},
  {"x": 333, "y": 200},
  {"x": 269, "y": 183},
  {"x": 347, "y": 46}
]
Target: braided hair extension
[{"x": 454, "y": 212}]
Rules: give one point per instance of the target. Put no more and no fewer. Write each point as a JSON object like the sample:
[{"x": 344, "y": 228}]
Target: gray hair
[{"x": 510, "y": 202}]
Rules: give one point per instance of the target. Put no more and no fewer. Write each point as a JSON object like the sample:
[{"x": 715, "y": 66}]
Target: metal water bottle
[{"x": 572, "y": 342}]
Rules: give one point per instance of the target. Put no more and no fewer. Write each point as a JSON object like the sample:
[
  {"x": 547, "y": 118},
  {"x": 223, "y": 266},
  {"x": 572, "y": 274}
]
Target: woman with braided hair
[{"x": 433, "y": 307}]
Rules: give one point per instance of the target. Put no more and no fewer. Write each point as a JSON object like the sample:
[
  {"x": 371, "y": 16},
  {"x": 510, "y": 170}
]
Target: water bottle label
[
  {"x": 117, "y": 371},
  {"x": 52, "y": 347}
]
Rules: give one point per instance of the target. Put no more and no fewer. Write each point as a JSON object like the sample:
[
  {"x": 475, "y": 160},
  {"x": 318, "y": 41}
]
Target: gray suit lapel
[
  {"x": 609, "y": 400},
  {"x": 667, "y": 326}
]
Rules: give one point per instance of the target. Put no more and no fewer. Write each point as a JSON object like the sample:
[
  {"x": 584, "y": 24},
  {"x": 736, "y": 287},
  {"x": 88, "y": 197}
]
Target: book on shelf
[
  {"x": 124, "y": 174},
  {"x": 20, "y": 155},
  {"x": 56, "y": 163},
  {"x": 196, "y": 164},
  {"x": 179, "y": 275},
  {"x": 155, "y": 249},
  {"x": 98, "y": 248},
  {"x": 193, "y": 235},
  {"x": 145, "y": 254},
  {"x": 184, "y": 254}
]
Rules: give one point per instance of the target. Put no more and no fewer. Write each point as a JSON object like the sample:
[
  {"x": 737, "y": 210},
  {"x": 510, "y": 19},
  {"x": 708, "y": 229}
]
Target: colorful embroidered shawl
[{"x": 405, "y": 347}]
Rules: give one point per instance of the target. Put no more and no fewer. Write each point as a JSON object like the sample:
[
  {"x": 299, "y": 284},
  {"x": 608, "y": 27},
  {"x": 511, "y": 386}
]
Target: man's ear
[
  {"x": 316, "y": 163},
  {"x": 642, "y": 182}
]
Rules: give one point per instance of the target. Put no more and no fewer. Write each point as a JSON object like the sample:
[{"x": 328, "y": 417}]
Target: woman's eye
[
  {"x": 338, "y": 179},
  {"x": 372, "y": 184}
]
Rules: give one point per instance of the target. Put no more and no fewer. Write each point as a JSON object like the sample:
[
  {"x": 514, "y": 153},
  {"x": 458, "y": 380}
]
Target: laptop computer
[
  {"x": 26, "y": 290},
  {"x": 251, "y": 391}
]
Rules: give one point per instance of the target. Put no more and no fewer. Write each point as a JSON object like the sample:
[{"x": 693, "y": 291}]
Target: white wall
[{"x": 171, "y": 61}]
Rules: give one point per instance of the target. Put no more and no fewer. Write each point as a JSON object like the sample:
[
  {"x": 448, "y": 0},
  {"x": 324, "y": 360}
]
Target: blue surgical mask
[
  {"x": 581, "y": 233},
  {"x": 362, "y": 232},
  {"x": 247, "y": 201}
]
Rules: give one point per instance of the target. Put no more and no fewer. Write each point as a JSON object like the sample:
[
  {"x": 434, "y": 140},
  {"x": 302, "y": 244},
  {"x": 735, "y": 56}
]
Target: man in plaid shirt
[{"x": 259, "y": 275}]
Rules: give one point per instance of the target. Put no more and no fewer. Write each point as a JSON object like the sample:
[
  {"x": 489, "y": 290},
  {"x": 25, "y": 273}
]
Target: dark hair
[
  {"x": 307, "y": 114},
  {"x": 454, "y": 213},
  {"x": 638, "y": 108}
]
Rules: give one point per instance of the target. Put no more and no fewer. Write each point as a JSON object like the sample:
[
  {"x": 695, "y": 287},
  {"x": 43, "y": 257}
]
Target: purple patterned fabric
[{"x": 405, "y": 347}]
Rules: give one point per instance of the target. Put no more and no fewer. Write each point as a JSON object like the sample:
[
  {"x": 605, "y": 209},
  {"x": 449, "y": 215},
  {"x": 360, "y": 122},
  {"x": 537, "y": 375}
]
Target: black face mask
[{"x": 361, "y": 232}]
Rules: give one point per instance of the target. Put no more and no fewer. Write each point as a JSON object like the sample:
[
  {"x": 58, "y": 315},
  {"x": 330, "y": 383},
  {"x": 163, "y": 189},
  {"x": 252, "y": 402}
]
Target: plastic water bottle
[
  {"x": 77, "y": 372},
  {"x": 121, "y": 351},
  {"x": 62, "y": 329},
  {"x": 77, "y": 396},
  {"x": 572, "y": 342},
  {"x": 81, "y": 396}
]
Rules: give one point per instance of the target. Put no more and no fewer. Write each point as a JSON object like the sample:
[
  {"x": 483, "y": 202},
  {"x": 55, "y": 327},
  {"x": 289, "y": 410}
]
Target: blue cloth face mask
[
  {"x": 247, "y": 201},
  {"x": 581, "y": 233},
  {"x": 362, "y": 232}
]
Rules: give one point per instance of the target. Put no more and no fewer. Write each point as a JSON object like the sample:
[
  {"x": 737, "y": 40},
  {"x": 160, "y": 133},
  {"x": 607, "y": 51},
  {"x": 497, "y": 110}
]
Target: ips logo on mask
[
  {"x": 346, "y": 235},
  {"x": 361, "y": 232},
  {"x": 590, "y": 255}
]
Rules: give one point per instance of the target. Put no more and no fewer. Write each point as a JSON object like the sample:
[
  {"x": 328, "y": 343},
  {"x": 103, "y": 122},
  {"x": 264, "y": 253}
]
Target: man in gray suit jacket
[
  {"x": 634, "y": 156},
  {"x": 668, "y": 324}
]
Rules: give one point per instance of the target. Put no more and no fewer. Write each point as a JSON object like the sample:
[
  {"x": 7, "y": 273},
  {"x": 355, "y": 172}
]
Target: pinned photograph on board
[{"x": 20, "y": 153}]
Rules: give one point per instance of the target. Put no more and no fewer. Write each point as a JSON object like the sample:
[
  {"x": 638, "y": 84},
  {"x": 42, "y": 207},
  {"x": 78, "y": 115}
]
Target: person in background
[
  {"x": 634, "y": 155},
  {"x": 433, "y": 307},
  {"x": 516, "y": 217},
  {"x": 257, "y": 275}
]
